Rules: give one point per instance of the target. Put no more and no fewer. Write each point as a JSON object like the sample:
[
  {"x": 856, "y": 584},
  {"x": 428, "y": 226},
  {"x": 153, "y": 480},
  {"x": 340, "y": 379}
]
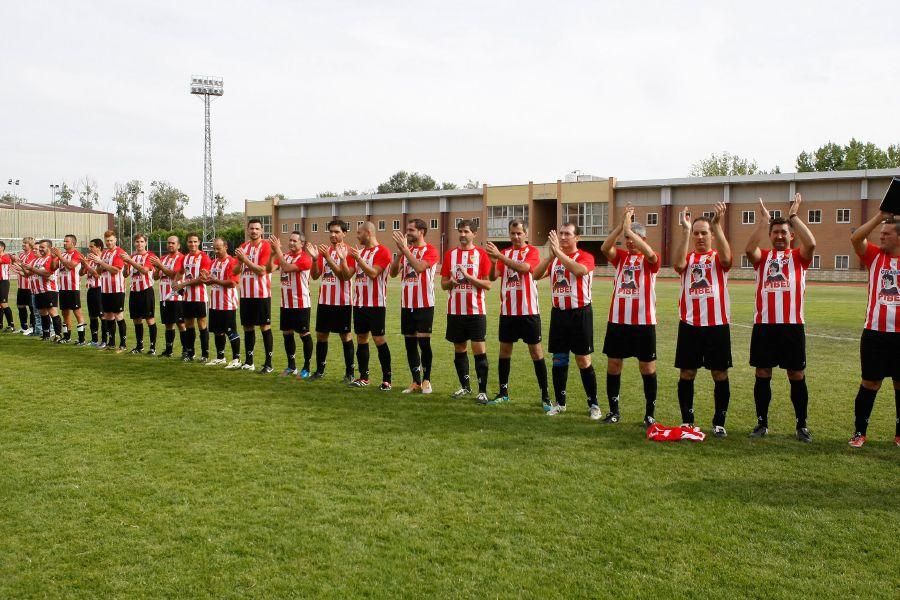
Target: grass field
[{"x": 126, "y": 476}]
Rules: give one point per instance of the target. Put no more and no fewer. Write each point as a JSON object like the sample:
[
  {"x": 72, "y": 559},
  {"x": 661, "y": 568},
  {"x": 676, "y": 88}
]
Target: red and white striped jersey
[
  {"x": 418, "y": 288},
  {"x": 173, "y": 262},
  {"x": 295, "y": 285},
  {"x": 5, "y": 261},
  {"x": 704, "y": 300},
  {"x": 113, "y": 283},
  {"x": 570, "y": 291},
  {"x": 67, "y": 279},
  {"x": 780, "y": 287},
  {"x": 372, "y": 292},
  {"x": 141, "y": 282},
  {"x": 40, "y": 283},
  {"x": 24, "y": 281},
  {"x": 518, "y": 291},
  {"x": 466, "y": 299},
  {"x": 253, "y": 285},
  {"x": 193, "y": 264},
  {"x": 220, "y": 297},
  {"x": 334, "y": 291},
  {"x": 92, "y": 281},
  {"x": 634, "y": 290},
  {"x": 884, "y": 289}
]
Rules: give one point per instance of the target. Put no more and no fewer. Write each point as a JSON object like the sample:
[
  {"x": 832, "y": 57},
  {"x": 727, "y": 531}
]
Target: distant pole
[
  {"x": 207, "y": 87},
  {"x": 53, "y": 191}
]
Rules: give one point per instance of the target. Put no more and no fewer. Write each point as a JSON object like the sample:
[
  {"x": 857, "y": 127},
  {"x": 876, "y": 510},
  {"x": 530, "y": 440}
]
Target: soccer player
[
  {"x": 778, "y": 338},
  {"x": 369, "y": 304},
  {"x": 222, "y": 282},
  {"x": 295, "y": 306},
  {"x": 23, "y": 291},
  {"x": 878, "y": 348},
  {"x": 45, "y": 291},
  {"x": 335, "y": 267},
  {"x": 112, "y": 271},
  {"x": 520, "y": 315},
  {"x": 68, "y": 278},
  {"x": 465, "y": 274},
  {"x": 416, "y": 262},
  {"x": 5, "y": 263},
  {"x": 571, "y": 273},
  {"x": 704, "y": 336},
  {"x": 194, "y": 305},
  {"x": 95, "y": 309},
  {"x": 255, "y": 268},
  {"x": 142, "y": 298},
  {"x": 169, "y": 270}
]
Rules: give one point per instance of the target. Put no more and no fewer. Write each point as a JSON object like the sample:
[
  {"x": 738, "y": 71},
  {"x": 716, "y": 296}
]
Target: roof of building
[
  {"x": 760, "y": 178},
  {"x": 51, "y": 208},
  {"x": 395, "y": 196}
]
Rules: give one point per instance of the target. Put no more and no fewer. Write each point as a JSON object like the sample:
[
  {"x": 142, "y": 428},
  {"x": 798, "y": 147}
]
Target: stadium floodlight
[{"x": 207, "y": 87}]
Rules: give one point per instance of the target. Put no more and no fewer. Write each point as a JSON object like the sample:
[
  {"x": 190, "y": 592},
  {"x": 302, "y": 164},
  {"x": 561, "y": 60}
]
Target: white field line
[{"x": 816, "y": 335}]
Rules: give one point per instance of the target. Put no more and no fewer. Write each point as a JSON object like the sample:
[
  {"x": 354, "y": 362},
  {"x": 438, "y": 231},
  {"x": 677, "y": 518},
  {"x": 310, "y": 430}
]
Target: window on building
[
  {"x": 652, "y": 219},
  {"x": 284, "y": 228},
  {"x": 775, "y": 214},
  {"x": 589, "y": 216},
  {"x": 748, "y": 217},
  {"x": 315, "y": 227},
  {"x": 434, "y": 224},
  {"x": 745, "y": 262},
  {"x": 396, "y": 224},
  {"x": 843, "y": 215},
  {"x": 381, "y": 225},
  {"x": 709, "y": 214},
  {"x": 815, "y": 216},
  {"x": 842, "y": 262},
  {"x": 816, "y": 262},
  {"x": 296, "y": 227},
  {"x": 500, "y": 216},
  {"x": 266, "y": 222}
]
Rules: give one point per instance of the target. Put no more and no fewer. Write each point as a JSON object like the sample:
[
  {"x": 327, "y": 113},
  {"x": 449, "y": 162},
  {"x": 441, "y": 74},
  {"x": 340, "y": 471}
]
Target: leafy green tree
[
  {"x": 88, "y": 192},
  {"x": 402, "y": 181},
  {"x": 725, "y": 163},
  {"x": 849, "y": 157},
  {"x": 472, "y": 185},
  {"x": 167, "y": 204},
  {"x": 221, "y": 204},
  {"x": 63, "y": 196}
]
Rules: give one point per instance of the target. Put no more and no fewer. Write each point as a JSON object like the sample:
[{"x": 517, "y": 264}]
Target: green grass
[{"x": 127, "y": 476}]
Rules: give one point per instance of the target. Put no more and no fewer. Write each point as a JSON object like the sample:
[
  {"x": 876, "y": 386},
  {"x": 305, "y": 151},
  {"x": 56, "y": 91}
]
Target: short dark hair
[
  {"x": 345, "y": 227},
  {"x": 517, "y": 222},
  {"x": 573, "y": 225},
  {"x": 778, "y": 221},
  {"x": 136, "y": 236},
  {"x": 254, "y": 220},
  {"x": 73, "y": 238},
  {"x": 893, "y": 220},
  {"x": 2, "y": 244},
  {"x": 419, "y": 224},
  {"x": 192, "y": 234},
  {"x": 703, "y": 218},
  {"x": 470, "y": 223},
  {"x": 295, "y": 232},
  {"x": 97, "y": 242},
  {"x": 46, "y": 240}
]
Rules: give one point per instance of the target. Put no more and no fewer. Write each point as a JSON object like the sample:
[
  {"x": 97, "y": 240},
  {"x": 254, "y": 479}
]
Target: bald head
[{"x": 365, "y": 233}]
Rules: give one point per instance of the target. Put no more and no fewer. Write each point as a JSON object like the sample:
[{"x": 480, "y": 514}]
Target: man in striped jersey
[
  {"x": 44, "y": 289},
  {"x": 222, "y": 282},
  {"x": 520, "y": 315},
  {"x": 5, "y": 263},
  {"x": 571, "y": 273},
  {"x": 95, "y": 309},
  {"x": 370, "y": 304},
  {"x": 631, "y": 327},
  {"x": 112, "y": 271},
  {"x": 295, "y": 306},
  {"x": 416, "y": 262},
  {"x": 193, "y": 302},
  {"x": 169, "y": 270},
  {"x": 23, "y": 291},
  {"x": 879, "y": 347},
  {"x": 255, "y": 268},
  {"x": 465, "y": 274},
  {"x": 334, "y": 312},
  {"x": 704, "y": 337},
  {"x": 141, "y": 297},
  {"x": 68, "y": 278},
  {"x": 778, "y": 338}
]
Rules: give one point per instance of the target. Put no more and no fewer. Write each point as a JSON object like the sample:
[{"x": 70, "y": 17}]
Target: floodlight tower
[{"x": 206, "y": 87}]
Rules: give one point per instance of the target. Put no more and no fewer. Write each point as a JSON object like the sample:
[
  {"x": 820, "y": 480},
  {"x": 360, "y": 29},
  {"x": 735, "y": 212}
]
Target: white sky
[{"x": 341, "y": 94}]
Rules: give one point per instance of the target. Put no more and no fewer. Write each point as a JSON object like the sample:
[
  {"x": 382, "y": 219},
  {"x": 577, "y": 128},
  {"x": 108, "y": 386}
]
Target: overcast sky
[{"x": 339, "y": 95}]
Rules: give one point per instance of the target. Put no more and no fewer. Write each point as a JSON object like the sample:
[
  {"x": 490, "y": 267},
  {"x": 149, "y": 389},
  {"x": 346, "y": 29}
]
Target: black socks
[
  {"x": 425, "y": 348},
  {"x": 503, "y": 367},
  {"x": 412, "y": 358},
  {"x": 686, "y": 400},
  {"x": 307, "y": 342},
  {"x": 481, "y": 372},
  {"x": 865, "y": 400},
  {"x": 800, "y": 400},
  {"x": 249, "y": 345},
  {"x": 384, "y": 357},
  {"x": 268, "y": 346},
  {"x": 589, "y": 381},
  {"x": 461, "y": 362},
  {"x": 540, "y": 371},
  {"x": 613, "y": 389},
  {"x": 650, "y": 387},
  {"x": 762, "y": 397},
  {"x": 290, "y": 348},
  {"x": 362, "y": 358},
  {"x": 721, "y": 397}
]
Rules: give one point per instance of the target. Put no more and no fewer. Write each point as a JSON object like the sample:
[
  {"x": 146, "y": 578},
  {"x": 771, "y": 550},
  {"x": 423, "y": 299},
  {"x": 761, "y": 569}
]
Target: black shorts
[
  {"x": 782, "y": 346},
  {"x": 46, "y": 300},
  {"x": 23, "y": 297},
  {"x": 70, "y": 299},
  {"x": 4, "y": 291},
  {"x": 142, "y": 305},
  {"x": 333, "y": 319},
  {"x": 572, "y": 331},
  {"x": 113, "y": 303},
  {"x": 295, "y": 319},
  {"x": 193, "y": 310},
  {"x": 256, "y": 312},
  {"x": 222, "y": 321},
  {"x": 626, "y": 341},
  {"x": 95, "y": 308},
  {"x": 520, "y": 327},
  {"x": 465, "y": 328},
  {"x": 171, "y": 312},
  {"x": 369, "y": 319},
  {"x": 708, "y": 347},
  {"x": 879, "y": 355},
  {"x": 416, "y": 320}
]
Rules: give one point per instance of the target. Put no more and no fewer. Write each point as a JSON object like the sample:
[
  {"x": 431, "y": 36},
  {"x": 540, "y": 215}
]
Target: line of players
[{"x": 354, "y": 283}]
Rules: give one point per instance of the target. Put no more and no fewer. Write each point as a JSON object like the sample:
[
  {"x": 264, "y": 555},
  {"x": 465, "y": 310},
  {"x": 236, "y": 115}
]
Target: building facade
[{"x": 51, "y": 222}]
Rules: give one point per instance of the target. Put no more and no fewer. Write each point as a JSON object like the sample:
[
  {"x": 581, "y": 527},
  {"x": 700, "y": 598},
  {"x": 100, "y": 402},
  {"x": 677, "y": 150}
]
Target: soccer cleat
[
  {"x": 166, "y": 354},
  {"x": 55, "y": 338},
  {"x": 719, "y": 431},
  {"x": 546, "y": 406},
  {"x": 80, "y": 344},
  {"x": 28, "y": 331},
  {"x": 385, "y": 386},
  {"x": 414, "y": 388},
  {"x": 151, "y": 352},
  {"x": 110, "y": 348},
  {"x": 121, "y": 350},
  {"x": 137, "y": 351},
  {"x": 359, "y": 382},
  {"x": 481, "y": 398},
  {"x": 648, "y": 421},
  {"x": 498, "y": 399},
  {"x": 202, "y": 359},
  {"x": 611, "y": 418},
  {"x": 426, "y": 387},
  {"x": 266, "y": 370},
  {"x": 234, "y": 364},
  {"x": 10, "y": 329},
  {"x": 857, "y": 440},
  {"x": 316, "y": 376},
  {"x": 594, "y": 413},
  {"x": 248, "y": 367},
  {"x": 760, "y": 431},
  {"x": 348, "y": 378},
  {"x": 460, "y": 393},
  {"x": 556, "y": 410},
  {"x": 304, "y": 374},
  {"x": 804, "y": 435},
  {"x": 288, "y": 372},
  {"x": 187, "y": 358},
  {"x": 216, "y": 362}
]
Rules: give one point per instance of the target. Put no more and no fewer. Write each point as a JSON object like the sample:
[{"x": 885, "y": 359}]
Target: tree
[
  {"x": 88, "y": 195},
  {"x": 447, "y": 185},
  {"x": 401, "y": 181},
  {"x": 849, "y": 157},
  {"x": 275, "y": 197},
  {"x": 326, "y": 195},
  {"x": 221, "y": 204},
  {"x": 63, "y": 196},
  {"x": 167, "y": 204},
  {"x": 9, "y": 198},
  {"x": 724, "y": 164},
  {"x": 472, "y": 185}
]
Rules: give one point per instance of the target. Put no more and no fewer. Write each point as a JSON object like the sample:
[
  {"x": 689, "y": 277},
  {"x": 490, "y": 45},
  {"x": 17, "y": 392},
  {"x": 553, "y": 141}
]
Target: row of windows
[
  {"x": 842, "y": 215},
  {"x": 500, "y": 216},
  {"x": 841, "y": 262},
  {"x": 381, "y": 225}
]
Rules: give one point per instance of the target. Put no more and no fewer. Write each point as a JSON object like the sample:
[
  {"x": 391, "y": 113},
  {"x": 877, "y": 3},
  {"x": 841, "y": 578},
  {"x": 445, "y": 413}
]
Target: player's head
[
  {"x": 889, "y": 239},
  {"x": 220, "y": 245},
  {"x": 193, "y": 242},
  {"x": 640, "y": 230},
  {"x": 69, "y": 242},
  {"x": 254, "y": 229},
  {"x": 518, "y": 232},
  {"x": 365, "y": 233},
  {"x": 696, "y": 274},
  {"x": 2, "y": 246},
  {"x": 95, "y": 245},
  {"x": 780, "y": 233},
  {"x": 295, "y": 241},
  {"x": 44, "y": 247},
  {"x": 466, "y": 230},
  {"x": 337, "y": 230},
  {"x": 140, "y": 242},
  {"x": 701, "y": 232},
  {"x": 109, "y": 238},
  {"x": 27, "y": 243},
  {"x": 569, "y": 235},
  {"x": 415, "y": 231},
  {"x": 172, "y": 244}
]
